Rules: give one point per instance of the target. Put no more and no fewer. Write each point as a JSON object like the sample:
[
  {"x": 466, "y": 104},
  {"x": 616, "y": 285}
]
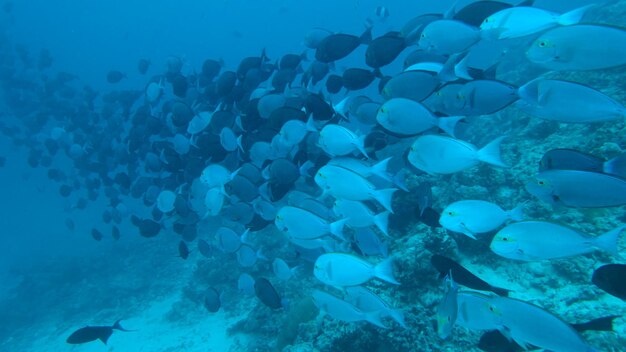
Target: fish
[
  {"x": 542, "y": 240},
  {"x": 143, "y": 65},
  {"x": 435, "y": 154},
  {"x": 368, "y": 301},
  {"x": 115, "y": 76},
  {"x": 341, "y": 269},
  {"x": 282, "y": 269},
  {"x": 357, "y": 215},
  {"x": 575, "y": 188},
  {"x": 165, "y": 201},
  {"x": 303, "y": 224},
  {"x": 342, "y": 183},
  {"x": 245, "y": 284},
  {"x": 447, "y": 309},
  {"x": 384, "y": 50},
  {"x": 484, "y": 97},
  {"x": 247, "y": 256},
  {"x": 471, "y": 217},
  {"x": 342, "y": 310},
  {"x": 205, "y": 248},
  {"x": 96, "y": 234},
  {"x": 521, "y": 21},
  {"x": 92, "y": 333},
  {"x": 369, "y": 244},
  {"x": 474, "y": 311},
  {"x": 576, "y": 48},
  {"x": 334, "y": 47},
  {"x": 494, "y": 341},
  {"x": 267, "y": 294},
  {"x": 528, "y": 325},
  {"x": 338, "y": 141},
  {"x": 212, "y": 300},
  {"x": 414, "y": 85},
  {"x": 183, "y": 250},
  {"x": 564, "y": 101},
  {"x": 115, "y": 233},
  {"x": 610, "y": 279},
  {"x": 463, "y": 276},
  {"x": 358, "y": 78},
  {"x": 228, "y": 241},
  {"x": 475, "y": 13},
  {"x": 407, "y": 117},
  {"x": 436, "y": 37}
]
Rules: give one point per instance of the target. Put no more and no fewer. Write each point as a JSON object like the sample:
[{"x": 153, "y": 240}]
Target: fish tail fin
[
  {"x": 609, "y": 241},
  {"x": 517, "y": 213},
  {"x": 380, "y": 169},
  {"x": 491, "y": 153},
  {"x": 398, "y": 316},
  {"x": 448, "y": 124},
  {"x": 336, "y": 228},
  {"x": 239, "y": 142},
  {"x": 382, "y": 222},
  {"x": 310, "y": 125},
  {"x": 360, "y": 145},
  {"x": 366, "y": 37},
  {"x": 616, "y": 166},
  {"x": 383, "y": 196},
  {"x": 384, "y": 271},
  {"x": 244, "y": 237},
  {"x": 118, "y": 326},
  {"x": 375, "y": 318},
  {"x": 574, "y": 16},
  {"x": 461, "y": 70}
]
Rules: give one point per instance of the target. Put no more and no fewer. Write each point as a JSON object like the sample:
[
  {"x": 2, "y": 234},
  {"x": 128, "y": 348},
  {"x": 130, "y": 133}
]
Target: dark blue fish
[
  {"x": 212, "y": 300},
  {"x": 570, "y": 159},
  {"x": 611, "y": 278},
  {"x": 92, "y": 333},
  {"x": 462, "y": 276},
  {"x": 267, "y": 293}
]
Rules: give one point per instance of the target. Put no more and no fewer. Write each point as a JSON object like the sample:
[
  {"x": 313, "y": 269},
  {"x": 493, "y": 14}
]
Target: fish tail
[
  {"x": 517, "y": 213},
  {"x": 398, "y": 316},
  {"x": 384, "y": 271},
  {"x": 310, "y": 125},
  {"x": 491, "y": 153},
  {"x": 380, "y": 169},
  {"x": 382, "y": 222},
  {"x": 375, "y": 318},
  {"x": 448, "y": 124},
  {"x": 574, "y": 16},
  {"x": 383, "y": 196},
  {"x": 616, "y": 166},
  {"x": 336, "y": 228},
  {"x": 360, "y": 145},
  {"x": 118, "y": 326},
  {"x": 609, "y": 241}
]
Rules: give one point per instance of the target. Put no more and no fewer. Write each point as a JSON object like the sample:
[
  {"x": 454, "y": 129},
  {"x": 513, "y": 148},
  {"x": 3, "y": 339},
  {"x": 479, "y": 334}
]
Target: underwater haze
[{"x": 282, "y": 175}]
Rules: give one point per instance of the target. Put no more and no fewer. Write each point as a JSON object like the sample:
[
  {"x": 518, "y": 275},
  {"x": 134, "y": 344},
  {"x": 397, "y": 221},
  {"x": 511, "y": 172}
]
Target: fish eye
[
  {"x": 542, "y": 43},
  {"x": 450, "y": 213},
  {"x": 487, "y": 20},
  {"x": 423, "y": 35},
  {"x": 542, "y": 183},
  {"x": 505, "y": 239}
]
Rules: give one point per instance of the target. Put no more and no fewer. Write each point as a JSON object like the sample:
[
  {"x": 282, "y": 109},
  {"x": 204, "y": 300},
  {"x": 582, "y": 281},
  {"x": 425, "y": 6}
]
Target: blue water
[{"x": 55, "y": 279}]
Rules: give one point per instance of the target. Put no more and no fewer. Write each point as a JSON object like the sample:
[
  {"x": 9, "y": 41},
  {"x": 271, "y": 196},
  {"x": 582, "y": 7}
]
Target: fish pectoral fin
[{"x": 467, "y": 232}]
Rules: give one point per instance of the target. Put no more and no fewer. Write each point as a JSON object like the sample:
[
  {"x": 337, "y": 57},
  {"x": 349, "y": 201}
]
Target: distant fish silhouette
[
  {"x": 463, "y": 276},
  {"x": 92, "y": 333}
]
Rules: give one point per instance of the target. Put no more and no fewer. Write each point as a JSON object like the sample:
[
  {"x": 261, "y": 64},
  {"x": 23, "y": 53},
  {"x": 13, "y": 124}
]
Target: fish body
[
  {"x": 358, "y": 214},
  {"x": 577, "y": 48},
  {"x": 342, "y": 310},
  {"x": 575, "y": 188},
  {"x": 341, "y": 269},
  {"x": 435, "y": 154},
  {"x": 541, "y": 240},
  {"x": 303, "y": 224},
  {"x": 408, "y": 117},
  {"x": 528, "y": 324},
  {"x": 463, "y": 276},
  {"x": 522, "y": 21},
  {"x": 368, "y": 301},
  {"x": 92, "y": 333},
  {"x": 563, "y": 101},
  {"x": 338, "y": 141},
  {"x": 472, "y": 217},
  {"x": 447, "y": 310},
  {"x": 474, "y": 311},
  {"x": 342, "y": 183},
  {"x": 612, "y": 279}
]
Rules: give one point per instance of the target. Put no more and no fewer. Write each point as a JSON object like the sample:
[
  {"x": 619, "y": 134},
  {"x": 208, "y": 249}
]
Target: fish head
[
  {"x": 444, "y": 325},
  {"x": 450, "y": 218},
  {"x": 321, "y": 178},
  {"x": 504, "y": 244},
  {"x": 543, "y": 189},
  {"x": 543, "y": 50}
]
